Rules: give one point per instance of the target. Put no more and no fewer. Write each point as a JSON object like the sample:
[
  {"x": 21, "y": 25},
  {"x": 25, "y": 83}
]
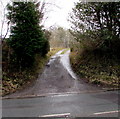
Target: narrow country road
[
  {"x": 57, "y": 77},
  {"x": 58, "y": 92}
]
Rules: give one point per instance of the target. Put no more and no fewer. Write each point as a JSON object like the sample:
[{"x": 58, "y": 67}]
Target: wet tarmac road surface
[
  {"x": 100, "y": 104},
  {"x": 57, "y": 77},
  {"x": 58, "y": 92}
]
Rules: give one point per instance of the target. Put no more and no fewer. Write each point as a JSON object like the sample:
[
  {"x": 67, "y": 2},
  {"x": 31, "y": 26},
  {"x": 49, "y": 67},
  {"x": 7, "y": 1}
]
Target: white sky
[
  {"x": 59, "y": 12},
  {"x": 56, "y": 10}
]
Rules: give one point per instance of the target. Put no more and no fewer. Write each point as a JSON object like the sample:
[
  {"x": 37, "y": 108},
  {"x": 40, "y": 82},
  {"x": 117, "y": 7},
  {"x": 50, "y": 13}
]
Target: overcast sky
[
  {"x": 58, "y": 13},
  {"x": 56, "y": 10}
]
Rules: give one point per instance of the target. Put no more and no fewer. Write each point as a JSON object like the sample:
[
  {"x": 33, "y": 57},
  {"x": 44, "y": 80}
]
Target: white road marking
[
  {"x": 99, "y": 113},
  {"x": 62, "y": 95},
  {"x": 56, "y": 115}
]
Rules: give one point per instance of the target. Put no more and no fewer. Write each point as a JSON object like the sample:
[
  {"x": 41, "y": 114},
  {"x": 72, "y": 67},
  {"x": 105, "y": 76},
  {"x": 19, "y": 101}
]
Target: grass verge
[
  {"x": 97, "y": 70},
  {"x": 53, "y": 51},
  {"x": 13, "y": 81},
  {"x": 65, "y": 50}
]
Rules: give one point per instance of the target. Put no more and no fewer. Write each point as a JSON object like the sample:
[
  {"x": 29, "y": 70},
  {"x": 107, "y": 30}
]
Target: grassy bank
[
  {"x": 94, "y": 69},
  {"x": 53, "y": 51},
  {"x": 66, "y": 49},
  {"x": 13, "y": 81}
]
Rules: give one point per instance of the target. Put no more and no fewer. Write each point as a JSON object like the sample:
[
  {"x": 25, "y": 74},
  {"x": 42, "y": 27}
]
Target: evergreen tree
[{"x": 27, "y": 37}]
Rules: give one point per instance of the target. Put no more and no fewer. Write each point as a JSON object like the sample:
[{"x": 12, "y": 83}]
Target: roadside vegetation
[
  {"x": 60, "y": 37},
  {"x": 93, "y": 40},
  {"x": 27, "y": 50},
  {"x": 95, "y": 53},
  {"x": 13, "y": 81},
  {"x": 66, "y": 49},
  {"x": 24, "y": 53},
  {"x": 54, "y": 50}
]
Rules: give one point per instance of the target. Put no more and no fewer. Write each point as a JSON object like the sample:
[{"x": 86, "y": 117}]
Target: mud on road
[{"x": 57, "y": 77}]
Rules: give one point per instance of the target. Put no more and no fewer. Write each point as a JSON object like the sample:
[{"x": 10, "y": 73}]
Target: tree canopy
[
  {"x": 27, "y": 37},
  {"x": 97, "y": 24}
]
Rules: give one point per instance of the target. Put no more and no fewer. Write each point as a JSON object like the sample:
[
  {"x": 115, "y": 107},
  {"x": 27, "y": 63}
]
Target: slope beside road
[
  {"x": 57, "y": 77},
  {"x": 58, "y": 92}
]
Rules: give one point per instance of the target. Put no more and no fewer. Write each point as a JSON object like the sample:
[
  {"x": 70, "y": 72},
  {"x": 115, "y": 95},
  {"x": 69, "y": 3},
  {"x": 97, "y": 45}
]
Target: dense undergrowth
[
  {"x": 95, "y": 55},
  {"x": 97, "y": 69},
  {"x": 13, "y": 80}
]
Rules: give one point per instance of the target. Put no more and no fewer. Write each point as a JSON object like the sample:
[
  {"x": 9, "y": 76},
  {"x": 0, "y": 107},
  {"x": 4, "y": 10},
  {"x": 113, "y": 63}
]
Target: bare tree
[{"x": 4, "y": 23}]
